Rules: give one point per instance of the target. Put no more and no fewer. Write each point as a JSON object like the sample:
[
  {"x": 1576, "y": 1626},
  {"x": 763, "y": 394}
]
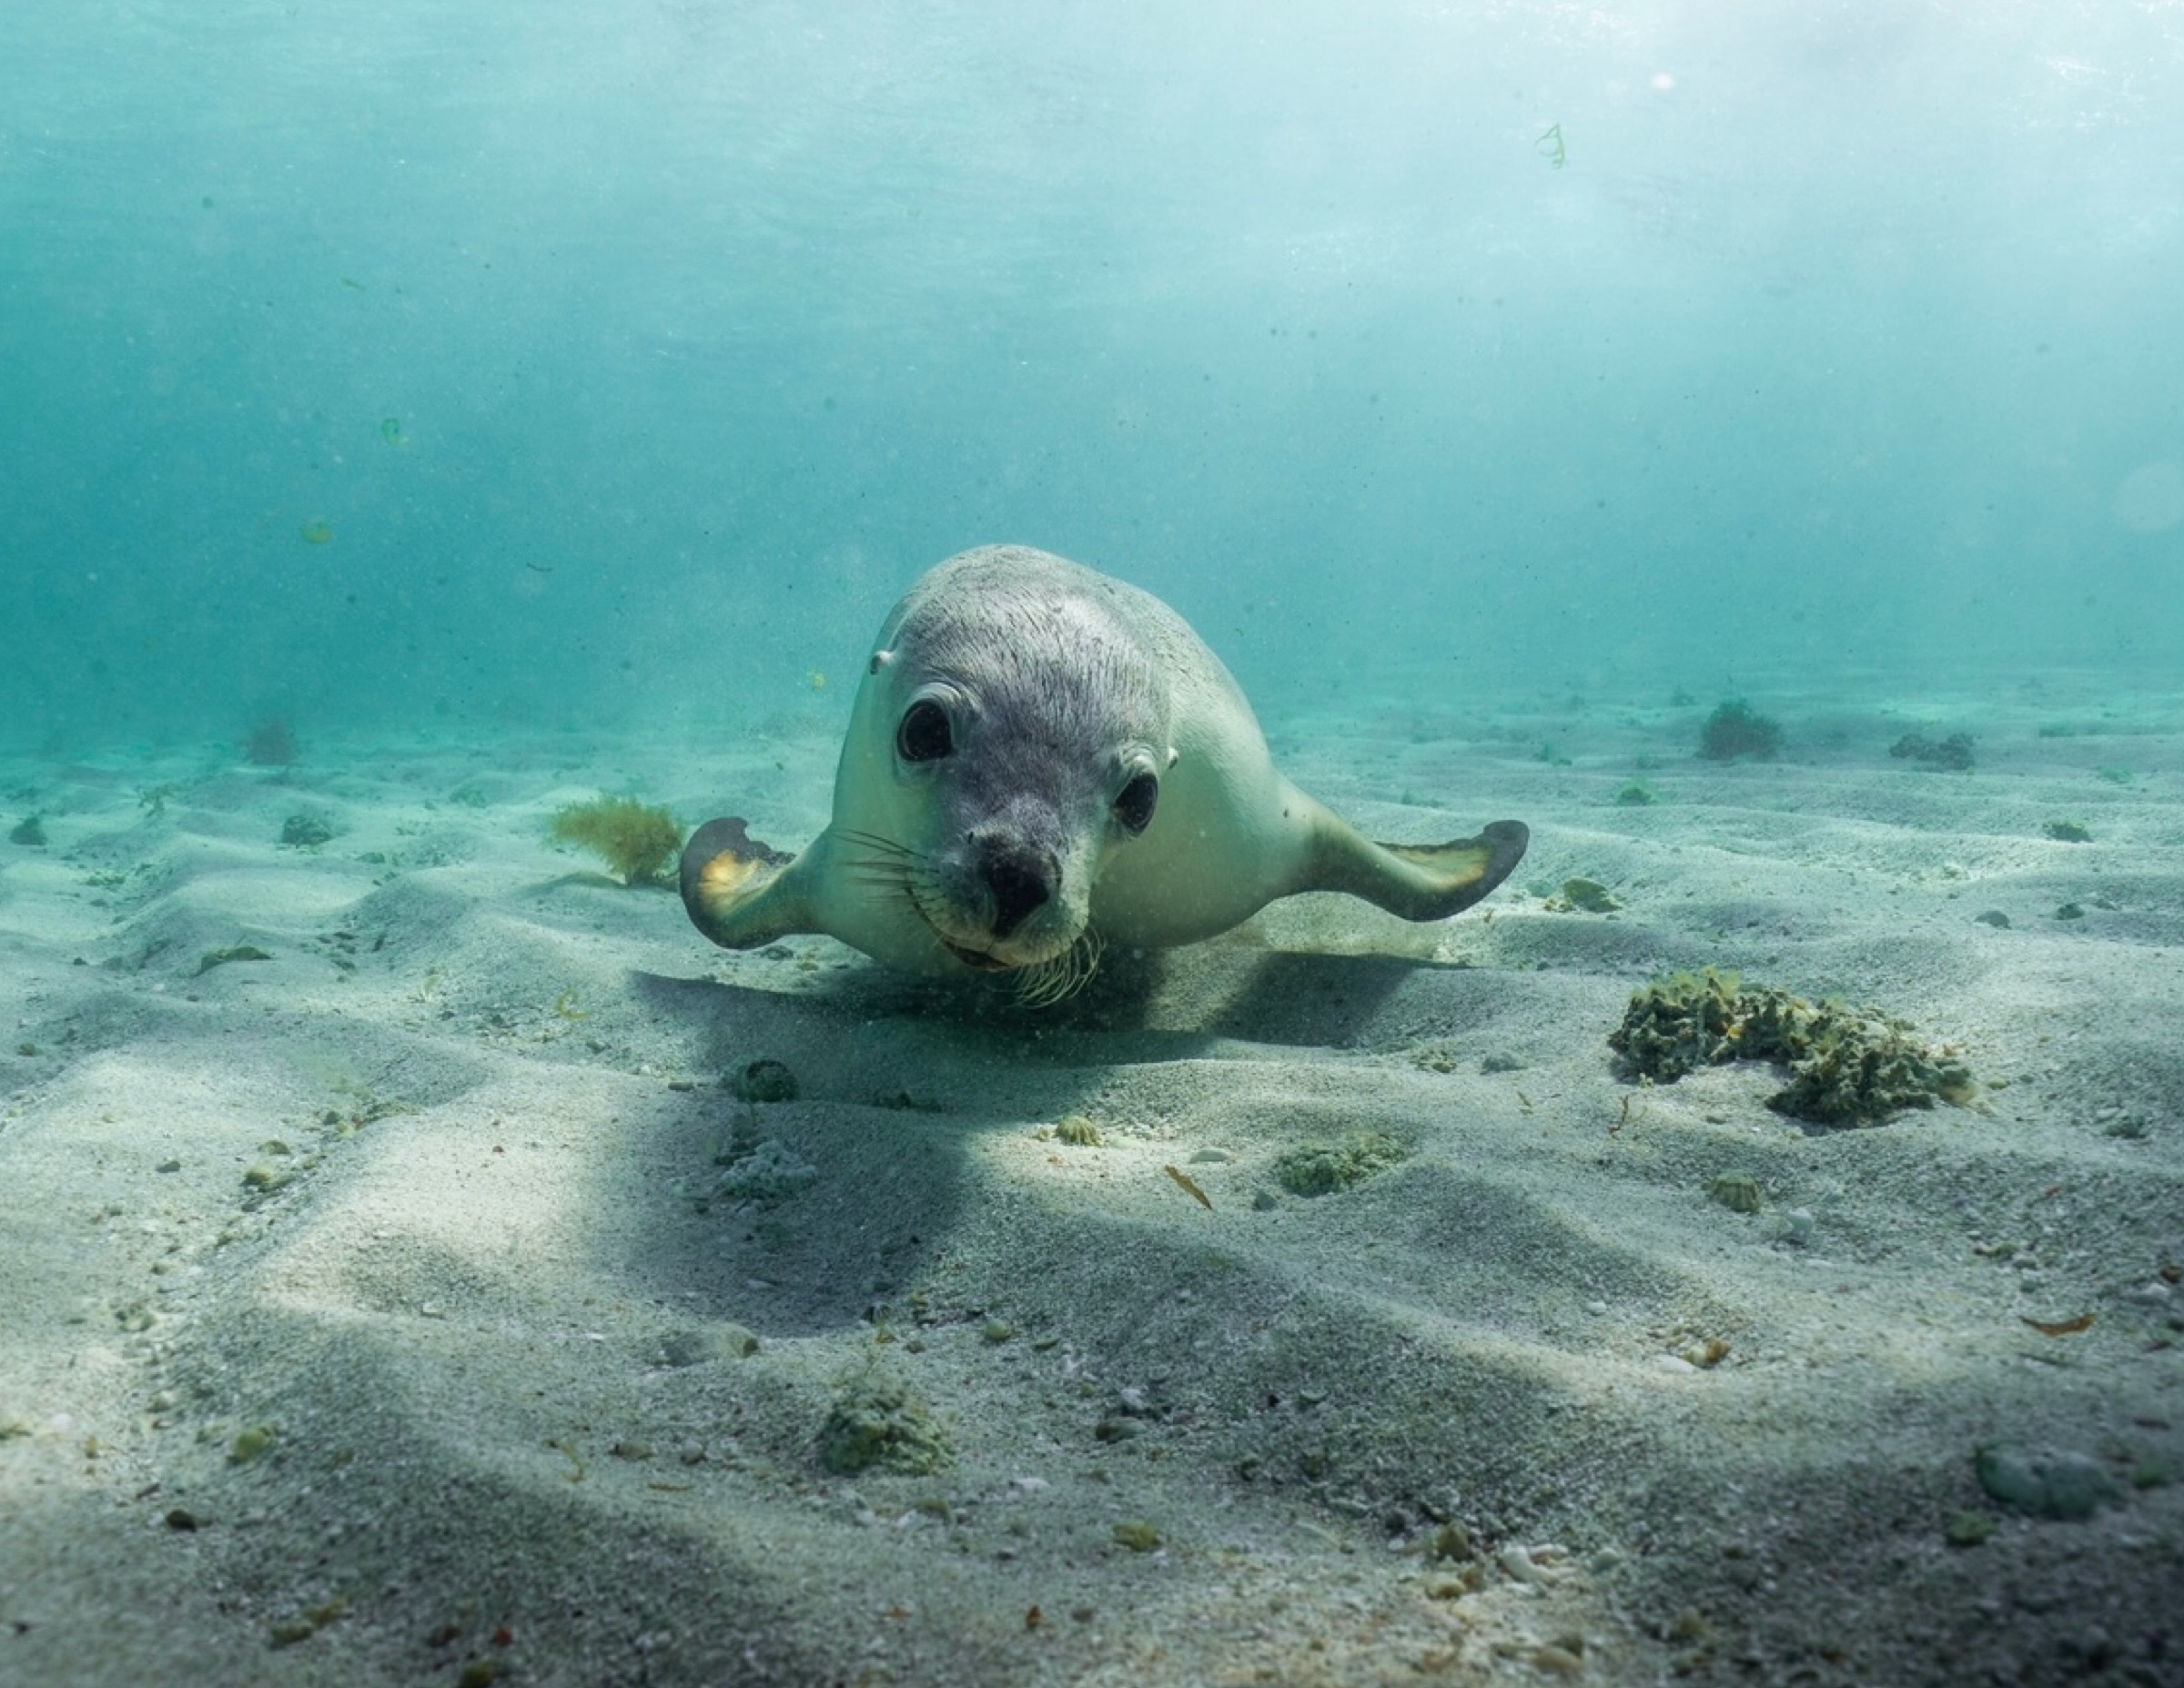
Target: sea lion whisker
[
  {"x": 1061, "y": 976},
  {"x": 873, "y": 841}
]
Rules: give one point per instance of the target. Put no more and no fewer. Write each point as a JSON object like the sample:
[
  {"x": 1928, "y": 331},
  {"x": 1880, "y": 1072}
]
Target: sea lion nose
[{"x": 1021, "y": 878}]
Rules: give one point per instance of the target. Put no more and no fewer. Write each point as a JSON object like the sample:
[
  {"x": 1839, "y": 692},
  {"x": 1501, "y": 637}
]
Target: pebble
[
  {"x": 2046, "y": 1482},
  {"x": 1518, "y": 1564}
]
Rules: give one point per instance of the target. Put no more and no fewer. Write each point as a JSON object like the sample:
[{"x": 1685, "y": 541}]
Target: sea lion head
[{"x": 1026, "y": 732}]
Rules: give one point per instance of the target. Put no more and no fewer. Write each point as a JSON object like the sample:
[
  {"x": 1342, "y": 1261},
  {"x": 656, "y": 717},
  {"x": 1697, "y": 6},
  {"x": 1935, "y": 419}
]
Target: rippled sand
[{"x": 420, "y": 1296}]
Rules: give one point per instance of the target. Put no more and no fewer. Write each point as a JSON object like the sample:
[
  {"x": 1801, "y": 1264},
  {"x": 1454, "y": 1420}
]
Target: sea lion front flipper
[
  {"x": 1418, "y": 882},
  {"x": 741, "y": 893}
]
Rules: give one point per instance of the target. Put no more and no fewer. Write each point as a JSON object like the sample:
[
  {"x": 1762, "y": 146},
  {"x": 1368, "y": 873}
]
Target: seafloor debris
[
  {"x": 1322, "y": 1169},
  {"x": 305, "y": 831},
  {"x": 764, "y": 1081},
  {"x": 235, "y": 952},
  {"x": 1737, "y": 1191},
  {"x": 1189, "y": 1186},
  {"x": 881, "y": 1426},
  {"x": 1586, "y": 896},
  {"x": 1952, "y": 753},
  {"x": 1848, "y": 1067}
]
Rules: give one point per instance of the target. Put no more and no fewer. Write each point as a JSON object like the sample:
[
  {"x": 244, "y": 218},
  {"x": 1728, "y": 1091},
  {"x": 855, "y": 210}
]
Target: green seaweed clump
[
  {"x": 1847, "y": 1067},
  {"x": 1952, "y": 753},
  {"x": 29, "y": 832},
  {"x": 1077, "y": 1131},
  {"x": 305, "y": 831},
  {"x": 1322, "y": 1169},
  {"x": 637, "y": 842},
  {"x": 1735, "y": 729},
  {"x": 1737, "y": 1191},
  {"x": 876, "y": 1426},
  {"x": 764, "y": 1081},
  {"x": 1677, "y": 1025},
  {"x": 1588, "y": 896},
  {"x": 2067, "y": 832}
]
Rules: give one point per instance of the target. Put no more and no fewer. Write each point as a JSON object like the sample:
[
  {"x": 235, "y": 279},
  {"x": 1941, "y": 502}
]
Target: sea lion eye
[
  {"x": 1134, "y": 807},
  {"x": 925, "y": 734}
]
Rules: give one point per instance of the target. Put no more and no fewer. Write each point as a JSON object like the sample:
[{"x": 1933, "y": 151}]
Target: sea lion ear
[
  {"x": 1174, "y": 756},
  {"x": 880, "y": 659}
]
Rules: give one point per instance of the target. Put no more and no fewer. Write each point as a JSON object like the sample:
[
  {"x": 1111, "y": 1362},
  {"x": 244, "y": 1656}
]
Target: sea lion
[{"x": 1042, "y": 761}]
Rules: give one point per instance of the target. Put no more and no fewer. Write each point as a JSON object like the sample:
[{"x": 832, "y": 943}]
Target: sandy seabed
[{"x": 422, "y": 1302}]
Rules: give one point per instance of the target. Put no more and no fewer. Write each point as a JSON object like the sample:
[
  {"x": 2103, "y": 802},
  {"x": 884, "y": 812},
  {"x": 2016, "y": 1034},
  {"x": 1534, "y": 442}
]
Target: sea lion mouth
[{"x": 976, "y": 958}]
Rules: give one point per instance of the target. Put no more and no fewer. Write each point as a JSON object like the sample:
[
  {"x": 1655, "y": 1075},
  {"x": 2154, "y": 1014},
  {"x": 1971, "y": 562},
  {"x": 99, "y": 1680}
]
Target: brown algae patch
[
  {"x": 637, "y": 842},
  {"x": 1847, "y": 1067}
]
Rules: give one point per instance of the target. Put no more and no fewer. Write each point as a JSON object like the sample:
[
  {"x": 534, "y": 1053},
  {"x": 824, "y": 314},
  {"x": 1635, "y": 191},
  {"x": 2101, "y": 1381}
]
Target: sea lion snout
[{"x": 1021, "y": 878}]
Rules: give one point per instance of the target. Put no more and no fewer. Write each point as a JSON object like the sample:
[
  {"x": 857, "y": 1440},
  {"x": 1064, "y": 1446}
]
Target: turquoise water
[{"x": 402, "y": 364}]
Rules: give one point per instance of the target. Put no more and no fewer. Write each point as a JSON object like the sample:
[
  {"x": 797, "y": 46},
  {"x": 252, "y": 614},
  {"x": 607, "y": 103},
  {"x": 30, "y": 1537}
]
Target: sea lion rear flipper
[
  {"x": 1418, "y": 882},
  {"x": 740, "y": 892}
]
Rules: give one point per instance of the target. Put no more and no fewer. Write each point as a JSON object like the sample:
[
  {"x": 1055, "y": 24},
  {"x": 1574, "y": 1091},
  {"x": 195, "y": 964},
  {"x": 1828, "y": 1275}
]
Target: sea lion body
[{"x": 1040, "y": 760}]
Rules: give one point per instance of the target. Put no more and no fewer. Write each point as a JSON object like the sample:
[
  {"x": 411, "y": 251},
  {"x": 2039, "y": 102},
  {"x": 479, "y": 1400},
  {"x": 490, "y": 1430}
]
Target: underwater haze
[{"x": 403, "y": 364}]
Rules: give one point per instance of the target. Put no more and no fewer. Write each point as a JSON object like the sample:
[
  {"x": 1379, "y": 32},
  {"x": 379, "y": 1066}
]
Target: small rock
[{"x": 2047, "y": 1483}]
